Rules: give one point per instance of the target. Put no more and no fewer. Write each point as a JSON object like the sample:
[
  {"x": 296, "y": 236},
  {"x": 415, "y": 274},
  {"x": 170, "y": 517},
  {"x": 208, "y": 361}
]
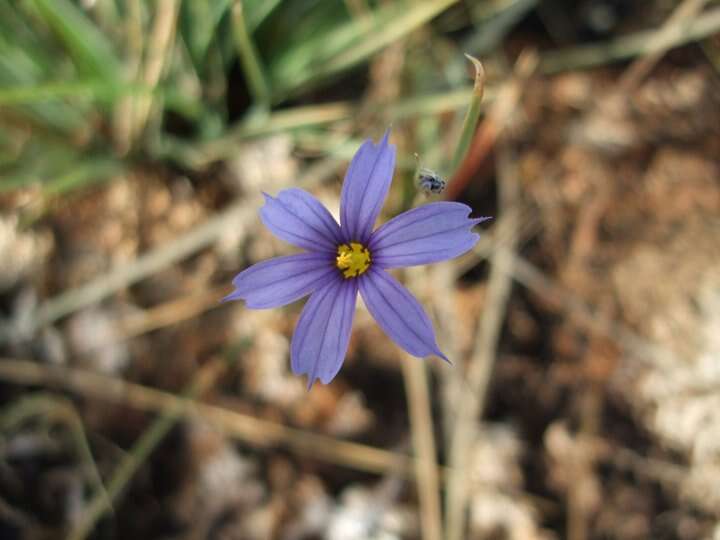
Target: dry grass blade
[
  {"x": 531, "y": 277},
  {"x": 640, "y": 43},
  {"x": 249, "y": 57},
  {"x": 139, "y": 453},
  {"x": 172, "y": 312},
  {"x": 484, "y": 352},
  {"x": 641, "y": 67},
  {"x": 238, "y": 215},
  {"x": 125, "y": 111},
  {"x": 160, "y": 47},
  {"x": 421, "y": 423},
  {"x": 251, "y": 430},
  {"x": 493, "y": 124},
  {"x": 50, "y": 406},
  {"x": 472, "y": 115}
]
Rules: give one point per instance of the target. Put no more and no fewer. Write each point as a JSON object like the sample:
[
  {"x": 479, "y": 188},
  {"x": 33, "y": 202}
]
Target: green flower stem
[
  {"x": 472, "y": 116},
  {"x": 249, "y": 58}
]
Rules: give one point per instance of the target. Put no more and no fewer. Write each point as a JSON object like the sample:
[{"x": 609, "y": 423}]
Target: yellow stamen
[{"x": 353, "y": 259}]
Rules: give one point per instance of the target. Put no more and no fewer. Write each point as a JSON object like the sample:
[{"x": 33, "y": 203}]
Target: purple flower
[{"x": 344, "y": 259}]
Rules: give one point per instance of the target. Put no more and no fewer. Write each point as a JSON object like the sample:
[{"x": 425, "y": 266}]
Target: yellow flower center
[{"x": 353, "y": 259}]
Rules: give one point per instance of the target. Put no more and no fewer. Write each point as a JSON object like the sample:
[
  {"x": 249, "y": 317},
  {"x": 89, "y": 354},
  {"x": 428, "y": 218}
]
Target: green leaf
[
  {"x": 198, "y": 25},
  {"x": 350, "y": 44},
  {"x": 257, "y": 11},
  {"x": 92, "y": 53}
]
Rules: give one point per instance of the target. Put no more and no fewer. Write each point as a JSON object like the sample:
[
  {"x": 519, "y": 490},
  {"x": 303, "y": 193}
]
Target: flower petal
[
  {"x": 398, "y": 313},
  {"x": 365, "y": 187},
  {"x": 300, "y": 219},
  {"x": 430, "y": 233},
  {"x": 282, "y": 280},
  {"x": 322, "y": 333}
]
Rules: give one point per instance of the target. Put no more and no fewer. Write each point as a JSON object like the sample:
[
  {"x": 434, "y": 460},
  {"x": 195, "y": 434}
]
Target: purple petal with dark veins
[
  {"x": 365, "y": 187},
  {"x": 282, "y": 280},
  {"x": 430, "y": 233},
  {"x": 300, "y": 219},
  {"x": 322, "y": 334},
  {"x": 398, "y": 313}
]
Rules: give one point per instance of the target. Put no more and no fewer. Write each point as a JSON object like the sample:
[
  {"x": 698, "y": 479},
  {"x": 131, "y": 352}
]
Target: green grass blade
[
  {"x": 631, "y": 45},
  {"x": 472, "y": 116},
  {"x": 18, "y": 70},
  {"x": 101, "y": 91},
  {"x": 86, "y": 172},
  {"x": 199, "y": 24},
  {"x": 249, "y": 58},
  {"x": 349, "y": 45},
  {"x": 256, "y": 11},
  {"x": 92, "y": 53}
]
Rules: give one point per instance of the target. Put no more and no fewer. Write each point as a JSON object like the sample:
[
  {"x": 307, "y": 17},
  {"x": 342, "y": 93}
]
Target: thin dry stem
[
  {"x": 139, "y": 453},
  {"x": 238, "y": 215},
  {"x": 249, "y": 429},
  {"x": 41, "y": 404},
  {"x": 160, "y": 47},
  {"x": 479, "y": 85},
  {"x": 421, "y": 424},
  {"x": 172, "y": 312},
  {"x": 531, "y": 277},
  {"x": 484, "y": 353},
  {"x": 494, "y": 122},
  {"x": 125, "y": 111},
  {"x": 528, "y": 275},
  {"x": 643, "y": 65}
]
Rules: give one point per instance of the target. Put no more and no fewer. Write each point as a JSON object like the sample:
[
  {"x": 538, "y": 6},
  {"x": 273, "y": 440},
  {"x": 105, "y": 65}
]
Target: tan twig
[
  {"x": 239, "y": 215},
  {"x": 248, "y": 429},
  {"x": 172, "y": 312},
  {"x": 443, "y": 278},
  {"x": 125, "y": 110},
  {"x": 528, "y": 225},
  {"x": 251, "y": 430},
  {"x": 640, "y": 43},
  {"x": 483, "y": 358},
  {"x": 642, "y": 66},
  {"x": 161, "y": 316},
  {"x": 528, "y": 275},
  {"x": 421, "y": 424},
  {"x": 51, "y": 406},
  {"x": 140, "y": 451},
  {"x": 160, "y": 48},
  {"x": 532, "y": 278}
]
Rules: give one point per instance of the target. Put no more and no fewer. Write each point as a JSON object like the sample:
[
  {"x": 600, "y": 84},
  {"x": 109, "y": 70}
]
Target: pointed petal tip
[
  {"x": 248, "y": 304},
  {"x": 268, "y": 198},
  {"x": 479, "y": 220},
  {"x": 437, "y": 352},
  {"x": 230, "y": 297},
  {"x": 312, "y": 378}
]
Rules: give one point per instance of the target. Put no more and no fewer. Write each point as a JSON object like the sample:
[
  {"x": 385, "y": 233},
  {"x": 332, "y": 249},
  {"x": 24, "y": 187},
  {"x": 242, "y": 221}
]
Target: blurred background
[{"x": 584, "y": 329}]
